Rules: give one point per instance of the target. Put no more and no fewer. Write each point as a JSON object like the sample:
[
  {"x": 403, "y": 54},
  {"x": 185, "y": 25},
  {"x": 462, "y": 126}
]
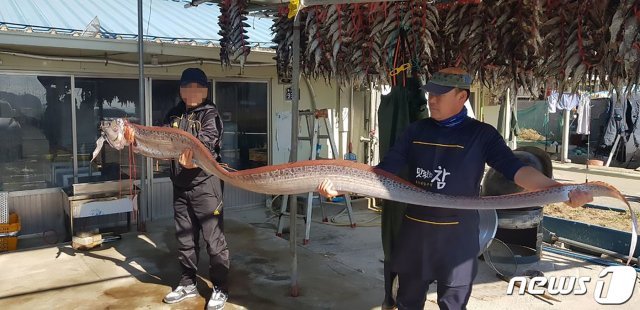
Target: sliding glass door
[{"x": 244, "y": 108}]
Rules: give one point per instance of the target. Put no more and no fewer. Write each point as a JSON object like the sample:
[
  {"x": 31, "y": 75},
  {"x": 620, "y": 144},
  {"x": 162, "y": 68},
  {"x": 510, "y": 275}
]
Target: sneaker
[
  {"x": 181, "y": 293},
  {"x": 217, "y": 300},
  {"x": 386, "y": 306}
]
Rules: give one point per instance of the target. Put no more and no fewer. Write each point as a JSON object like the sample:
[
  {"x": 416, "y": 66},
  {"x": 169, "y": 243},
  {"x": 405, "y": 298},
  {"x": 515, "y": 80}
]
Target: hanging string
[
  {"x": 130, "y": 174},
  {"x": 132, "y": 170},
  {"x": 119, "y": 174}
]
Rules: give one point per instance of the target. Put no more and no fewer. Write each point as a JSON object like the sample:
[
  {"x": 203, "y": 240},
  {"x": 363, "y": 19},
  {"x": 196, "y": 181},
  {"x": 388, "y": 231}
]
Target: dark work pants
[
  {"x": 392, "y": 217},
  {"x": 193, "y": 214},
  {"x": 412, "y": 294}
]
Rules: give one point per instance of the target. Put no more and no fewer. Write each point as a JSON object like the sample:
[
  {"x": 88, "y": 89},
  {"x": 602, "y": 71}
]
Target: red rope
[
  {"x": 424, "y": 19},
  {"x": 132, "y": 169},
  {"x": 563, "y": 50},
  {"x": 395, "y": 65},
  {"x": 322, "y": 16},
  {"x": 361, "y": 16},
  {"x": 404, "y": 40},
  {"x": 130, "y": 172},
  {"x": 318, "y": 36},
  {"x": 358, "y": 22},
  {"x": 580, "y": 42},
  {"x": 458, "y": 60},
  {"x": 373, "y": 8},
  {"x": 135, "y": 173},
  {"x": 395, "y": 59},
  {"x": 339, "y": 10},
  {"x": 119, "y": 175},
  {"x": 444, "y": 6},
  {"x": 384, "y": 8}
]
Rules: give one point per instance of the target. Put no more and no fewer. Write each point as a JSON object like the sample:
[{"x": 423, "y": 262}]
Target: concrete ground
[{"x": 340, "y": 269}]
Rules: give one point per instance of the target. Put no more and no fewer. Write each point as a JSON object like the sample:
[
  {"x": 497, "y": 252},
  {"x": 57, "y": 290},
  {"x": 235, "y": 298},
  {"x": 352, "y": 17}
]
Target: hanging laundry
[
  {"x": 564, "y": 102},
  {"x": 552, "y": 101},
  {"x": 568, "y": 101},
  {"x": 617, "y": 123},
  {"x": 584, "y": 114},
  {"x": 634, "y": 101}
]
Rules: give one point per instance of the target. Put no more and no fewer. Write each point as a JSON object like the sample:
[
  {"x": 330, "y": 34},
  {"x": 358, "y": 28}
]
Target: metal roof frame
[{"x": 195, "y": 26}]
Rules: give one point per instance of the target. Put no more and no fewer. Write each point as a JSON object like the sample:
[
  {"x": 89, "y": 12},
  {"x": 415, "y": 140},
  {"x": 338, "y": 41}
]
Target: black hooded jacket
[{"x": 204, "y": 123}]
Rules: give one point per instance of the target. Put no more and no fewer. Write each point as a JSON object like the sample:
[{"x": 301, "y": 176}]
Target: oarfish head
[{"x": 113, "y": 132}]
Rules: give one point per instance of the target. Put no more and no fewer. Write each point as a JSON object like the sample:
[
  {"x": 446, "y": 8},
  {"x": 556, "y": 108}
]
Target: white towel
[{"x": 584, "y": 115}]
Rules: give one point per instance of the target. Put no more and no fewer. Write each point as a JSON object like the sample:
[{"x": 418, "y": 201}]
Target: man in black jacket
[{"x": 197, "y": 197}]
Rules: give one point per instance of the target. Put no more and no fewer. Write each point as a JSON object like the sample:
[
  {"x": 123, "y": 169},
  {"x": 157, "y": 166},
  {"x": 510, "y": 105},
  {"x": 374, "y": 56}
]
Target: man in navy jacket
[{"x": 447, "y": 154}]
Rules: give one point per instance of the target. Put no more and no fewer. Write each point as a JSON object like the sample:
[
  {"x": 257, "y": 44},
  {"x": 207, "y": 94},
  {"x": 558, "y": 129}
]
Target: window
[
  {"x": 36, "y": 129},
  {"x": 244, "y": 110},
  {"x": 35, "y": 132},
  {"x": 100, "y": 99}
]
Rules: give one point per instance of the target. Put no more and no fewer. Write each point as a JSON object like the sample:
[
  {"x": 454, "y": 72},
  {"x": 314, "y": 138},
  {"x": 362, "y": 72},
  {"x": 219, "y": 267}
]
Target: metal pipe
[
  {"x": 339, "y": 119},
  {"x": 583, "y": 257},
  {"x": 480, "y": 111},
  {"x": 142, "y": 209},
  {"x": 308, "y": 3},
  {"x": 74, "y": 132},
  {"x": 293, "y": 155},
  {"x": 149, "y": 162},
  {"x": 375, "y": 158},
  {"x": 195, "y": 3},
  {"x": 366, "y": 126},
  {"x": 507, "y": 118},
  {"x": 350, "y": 137},
  {"x": 514, "y": 108},
  {"x": 593, "y": 248},
  {"x": 312, "y": 94},
  {"x": 125, "y": 63},
  {"x": 613, "y": 150},
  {"x": 565, "y": 137}
]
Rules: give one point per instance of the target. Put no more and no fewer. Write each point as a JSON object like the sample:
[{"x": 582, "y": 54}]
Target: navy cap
[
  {"x": 193, "y": 75},
  {"x": 447, "y": 79}
]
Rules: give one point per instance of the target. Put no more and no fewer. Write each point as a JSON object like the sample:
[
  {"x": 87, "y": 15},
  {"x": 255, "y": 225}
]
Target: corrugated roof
[{"x": 164, "y": 20}]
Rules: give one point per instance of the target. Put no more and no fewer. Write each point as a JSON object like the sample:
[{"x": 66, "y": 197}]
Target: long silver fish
[{"x": 347, "y": 176}]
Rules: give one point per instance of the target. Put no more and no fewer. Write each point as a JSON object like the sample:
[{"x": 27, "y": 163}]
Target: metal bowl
[{"x": 488, "y": 225}]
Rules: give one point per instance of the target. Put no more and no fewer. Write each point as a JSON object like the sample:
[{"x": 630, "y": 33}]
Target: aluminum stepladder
[{"x": 314, "y": 120}]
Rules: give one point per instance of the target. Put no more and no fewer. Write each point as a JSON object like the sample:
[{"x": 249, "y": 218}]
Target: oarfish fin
[{"x": 99, "y": 144}]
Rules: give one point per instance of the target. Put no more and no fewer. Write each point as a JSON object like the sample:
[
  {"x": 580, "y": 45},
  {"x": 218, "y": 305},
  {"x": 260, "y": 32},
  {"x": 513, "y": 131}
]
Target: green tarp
[{"x": 397, "y": 110}]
